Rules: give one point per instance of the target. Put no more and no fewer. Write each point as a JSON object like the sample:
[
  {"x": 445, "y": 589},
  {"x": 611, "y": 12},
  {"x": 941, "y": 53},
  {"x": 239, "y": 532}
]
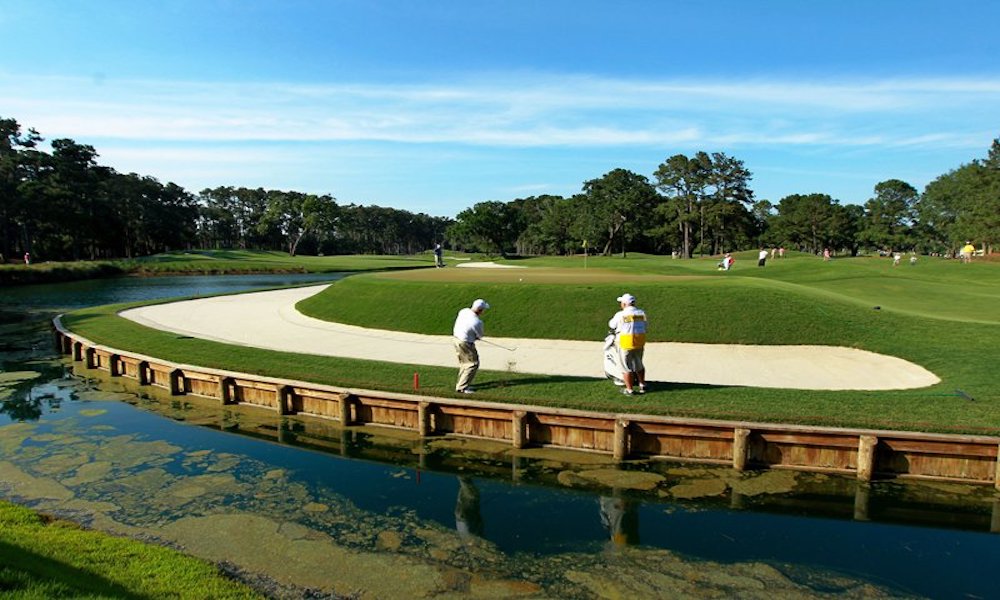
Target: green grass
[
  {"x": 799, "y": 300},
  {"x": 247, "y": 261},
  {"x": 205, "y": 262},
  {"x": 933, "y": 287},
  {"x": 48, "y": 272},
  {"x": 41, "y": 558}
]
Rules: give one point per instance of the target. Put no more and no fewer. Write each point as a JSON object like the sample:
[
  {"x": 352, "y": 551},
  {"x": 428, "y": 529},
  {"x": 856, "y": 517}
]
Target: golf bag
[{"x": 612, "y": 364}]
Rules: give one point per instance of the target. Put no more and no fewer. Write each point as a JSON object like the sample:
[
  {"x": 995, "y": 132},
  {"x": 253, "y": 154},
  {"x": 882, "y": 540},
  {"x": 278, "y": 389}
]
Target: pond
[{"x": 306, "y": 504}]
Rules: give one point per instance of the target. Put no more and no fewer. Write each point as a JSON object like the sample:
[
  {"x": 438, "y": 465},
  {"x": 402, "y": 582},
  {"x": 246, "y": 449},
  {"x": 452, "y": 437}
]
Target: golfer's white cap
[
  {"x": 627, "y": 298},
  {"x": 480, "y": 304}
]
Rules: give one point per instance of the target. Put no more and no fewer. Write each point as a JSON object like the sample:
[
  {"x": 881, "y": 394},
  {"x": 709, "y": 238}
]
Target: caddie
[{"x": 629, "y": 325}]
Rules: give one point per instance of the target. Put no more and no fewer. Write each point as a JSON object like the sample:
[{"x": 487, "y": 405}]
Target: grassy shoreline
[
  {"x": 221, "y": 262},
  {"x": 43, "y": 557}
]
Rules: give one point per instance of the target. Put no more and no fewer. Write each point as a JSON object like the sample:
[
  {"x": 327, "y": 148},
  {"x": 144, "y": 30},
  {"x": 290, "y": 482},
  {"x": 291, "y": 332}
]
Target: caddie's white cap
[
  {"x": 480, "y": 304},
  {"x": 627, "y": 298}
]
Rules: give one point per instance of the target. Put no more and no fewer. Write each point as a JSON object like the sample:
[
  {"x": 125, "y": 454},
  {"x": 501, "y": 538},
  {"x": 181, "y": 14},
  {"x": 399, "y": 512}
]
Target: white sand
[
  {"x": 269, "y": 320},
  {"x": 488, "y": 265}
]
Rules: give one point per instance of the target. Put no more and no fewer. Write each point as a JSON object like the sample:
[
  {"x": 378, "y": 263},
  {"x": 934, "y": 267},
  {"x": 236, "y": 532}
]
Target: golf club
[{"x": 497, "y": 345}]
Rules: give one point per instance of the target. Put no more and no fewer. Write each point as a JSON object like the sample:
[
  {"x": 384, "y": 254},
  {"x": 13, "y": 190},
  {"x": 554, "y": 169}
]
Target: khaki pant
[
  {"x": 468, "y": 363},
  {"x": 632, "y": 360}
]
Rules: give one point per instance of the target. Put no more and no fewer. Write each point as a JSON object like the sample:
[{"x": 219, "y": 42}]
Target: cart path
[{"x": 269, "y": 320}]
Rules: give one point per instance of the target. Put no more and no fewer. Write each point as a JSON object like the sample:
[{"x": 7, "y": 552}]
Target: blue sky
[{"x": 432, "y": 106}]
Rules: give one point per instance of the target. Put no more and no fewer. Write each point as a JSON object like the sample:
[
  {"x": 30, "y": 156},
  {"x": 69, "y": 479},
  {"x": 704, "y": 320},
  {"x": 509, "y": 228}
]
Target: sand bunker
[{"x": 269, "y": 320}]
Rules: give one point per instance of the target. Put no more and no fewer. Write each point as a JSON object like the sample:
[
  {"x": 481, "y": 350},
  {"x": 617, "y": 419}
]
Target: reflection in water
[
  {"x": 95, "y": 292},
  {"x": 620, "y": 518},
  {"x": 468, "y": 520}
]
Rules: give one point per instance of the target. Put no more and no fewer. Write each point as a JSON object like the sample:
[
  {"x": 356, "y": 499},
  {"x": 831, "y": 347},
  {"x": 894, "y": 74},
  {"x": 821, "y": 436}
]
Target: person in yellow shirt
[
  {"x": 629, "y": 325},
  {"x": 967, "y": 251}
]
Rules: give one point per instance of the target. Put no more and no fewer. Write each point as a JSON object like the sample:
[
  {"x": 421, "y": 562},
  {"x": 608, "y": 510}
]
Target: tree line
[
  {"x": 62, "y": 205},
  {"x": 703, "y": 204}
]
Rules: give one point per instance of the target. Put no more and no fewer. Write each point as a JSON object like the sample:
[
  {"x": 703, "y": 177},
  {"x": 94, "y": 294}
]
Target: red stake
[{"x": 416, "y": 380}]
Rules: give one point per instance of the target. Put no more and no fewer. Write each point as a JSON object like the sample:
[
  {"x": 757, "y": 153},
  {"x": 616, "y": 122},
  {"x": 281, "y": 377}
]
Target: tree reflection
[
  {"x": 24, "y": 408},
  {"x": 27, "y": 407}
]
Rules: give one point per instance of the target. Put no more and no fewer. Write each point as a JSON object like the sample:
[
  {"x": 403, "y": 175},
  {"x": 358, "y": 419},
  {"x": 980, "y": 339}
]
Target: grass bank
[
  {"x": 43, "y": 558},
  {"x": 800, "y": 300},
  {"x": 204, "y": 262},
  {"x": 58, "y": 272}
]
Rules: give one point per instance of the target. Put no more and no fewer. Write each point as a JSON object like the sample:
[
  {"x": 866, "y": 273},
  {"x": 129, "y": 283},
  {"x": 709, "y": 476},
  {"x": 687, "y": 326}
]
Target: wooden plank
[
  {"x": 683, "y": 431},
  {"x": 568, "y": 421},
  {"x": 199, "y": 376},
  {"x": 838, "y": 440},
  {"x": 383, "y": 403},
  {"x": 940, "y": 447},
  {"x": 318, "y": 394},
  {"x": 250, "y": 384},
  {"x": 462, "y": 411}
]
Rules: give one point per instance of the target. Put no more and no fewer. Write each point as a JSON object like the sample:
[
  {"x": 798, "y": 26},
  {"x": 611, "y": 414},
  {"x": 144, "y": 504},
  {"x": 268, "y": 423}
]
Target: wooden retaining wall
[{"x": 868, "y": 454}]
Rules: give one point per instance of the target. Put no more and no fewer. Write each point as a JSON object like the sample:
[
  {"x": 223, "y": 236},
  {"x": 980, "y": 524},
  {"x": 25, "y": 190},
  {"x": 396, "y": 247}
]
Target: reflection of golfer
[
  {"x": 619, "y": 517},
  {"x": 468, "y": 329},
  {"x": 629, "y": 325},
  {"x": 468, "y": 520}
]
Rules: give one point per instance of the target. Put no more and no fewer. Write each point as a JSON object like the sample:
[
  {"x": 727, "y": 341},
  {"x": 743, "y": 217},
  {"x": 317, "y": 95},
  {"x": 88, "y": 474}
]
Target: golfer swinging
[
  {"x": 468, "y": 329},
  {"x": 629, "y": 325}
]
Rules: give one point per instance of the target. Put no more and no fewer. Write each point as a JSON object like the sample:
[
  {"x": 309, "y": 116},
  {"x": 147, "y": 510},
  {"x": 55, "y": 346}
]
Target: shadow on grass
[
  {"x": 651, "y": 387},
  {"x": 30, "y": 572}
]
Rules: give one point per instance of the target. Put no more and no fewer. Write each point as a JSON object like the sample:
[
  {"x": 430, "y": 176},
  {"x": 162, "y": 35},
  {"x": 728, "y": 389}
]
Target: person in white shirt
[
  {"x": 629, "y": 325},
  {"x": 468, "y": 328},
  {"x": 762, "y": 257}
]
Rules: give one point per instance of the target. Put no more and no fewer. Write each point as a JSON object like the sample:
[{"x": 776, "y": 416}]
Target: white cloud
[{"x": 506, "y": 111}]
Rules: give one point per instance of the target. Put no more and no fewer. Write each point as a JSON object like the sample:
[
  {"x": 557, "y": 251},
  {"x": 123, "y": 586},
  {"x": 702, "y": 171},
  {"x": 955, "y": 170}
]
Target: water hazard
[{"x": 306, "y": 503}]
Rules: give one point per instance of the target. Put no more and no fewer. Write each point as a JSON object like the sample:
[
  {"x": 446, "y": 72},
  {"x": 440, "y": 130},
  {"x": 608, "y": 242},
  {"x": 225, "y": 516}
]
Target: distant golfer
[
  {"x": 762, "y": 257},
  {"x": 967, "y": 251},
  {"x": 629, "y": 325},
  {"x": 468, "y": 329},
  {"x": 438, "y": 261}
]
